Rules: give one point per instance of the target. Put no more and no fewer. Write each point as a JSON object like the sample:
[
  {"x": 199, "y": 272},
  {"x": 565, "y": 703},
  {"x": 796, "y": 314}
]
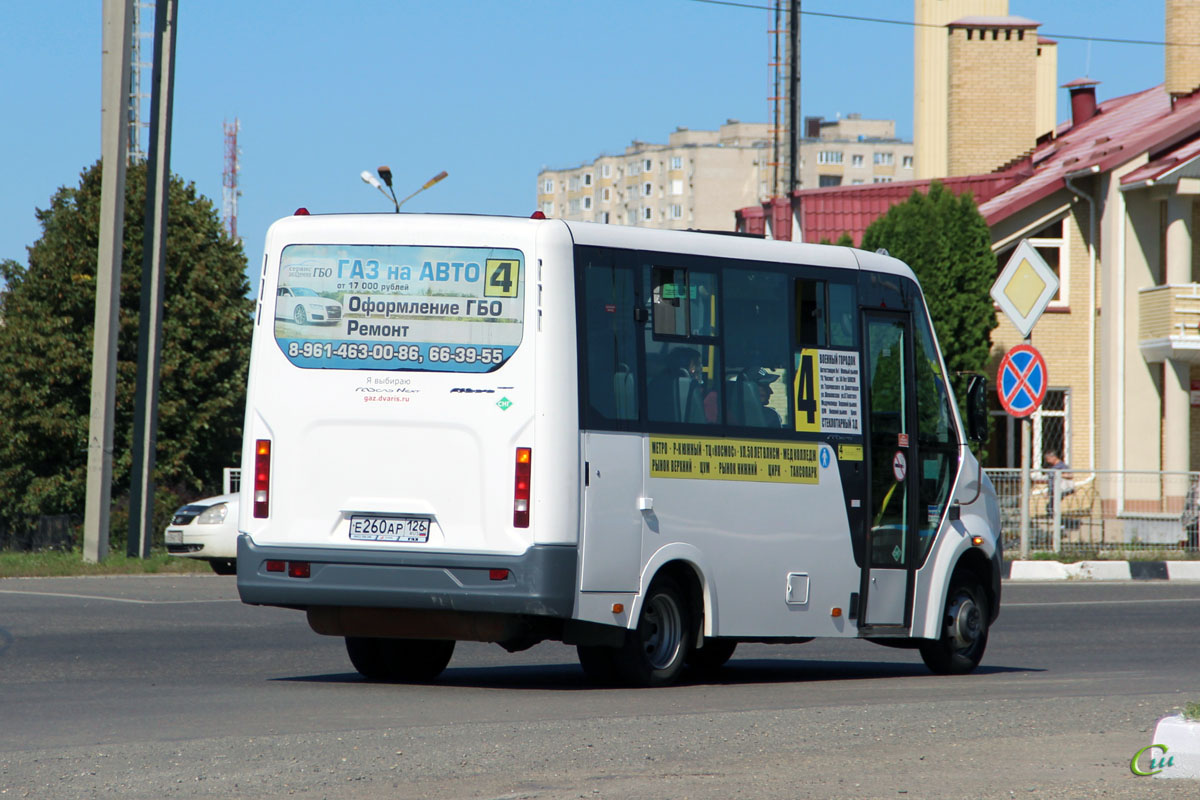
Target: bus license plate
[{"x": 389, "y": 529}]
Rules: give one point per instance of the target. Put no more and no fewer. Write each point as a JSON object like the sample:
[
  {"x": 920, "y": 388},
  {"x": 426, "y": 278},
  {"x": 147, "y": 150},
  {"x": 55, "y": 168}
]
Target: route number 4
[
  {"x": 808, "y": 402},
  {"x": 501, "y": 277}
]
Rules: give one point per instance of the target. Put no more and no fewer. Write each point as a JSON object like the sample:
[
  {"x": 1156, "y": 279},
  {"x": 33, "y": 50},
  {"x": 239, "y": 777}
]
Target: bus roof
[{"x": 719, "y": 244}]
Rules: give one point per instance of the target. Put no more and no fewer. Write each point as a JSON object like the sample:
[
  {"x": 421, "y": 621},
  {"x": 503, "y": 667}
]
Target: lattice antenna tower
[
  {"x": 229, "y": 179},
  {"x": 777, "y": 98},
  {"x": 140, "y": 74}
]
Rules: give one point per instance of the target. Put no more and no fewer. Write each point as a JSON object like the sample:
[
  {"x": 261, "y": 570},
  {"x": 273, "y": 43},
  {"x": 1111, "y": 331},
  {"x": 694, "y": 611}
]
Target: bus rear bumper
[{"x": 539, "y": 582}]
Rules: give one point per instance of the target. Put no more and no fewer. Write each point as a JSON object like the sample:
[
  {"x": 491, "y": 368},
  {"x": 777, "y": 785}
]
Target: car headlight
[
  {"x": 213, "y": 515},
  {"x": 317, "y": 306}
]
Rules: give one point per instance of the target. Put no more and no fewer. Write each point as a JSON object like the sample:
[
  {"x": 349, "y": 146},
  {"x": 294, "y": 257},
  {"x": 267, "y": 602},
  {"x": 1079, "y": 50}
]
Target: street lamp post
[{"x": 385, "y": 172}]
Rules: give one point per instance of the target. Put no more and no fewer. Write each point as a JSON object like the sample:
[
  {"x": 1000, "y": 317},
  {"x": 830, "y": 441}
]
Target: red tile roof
[
  {"x": 1122, "y": 129},
  {"x": 828, "y": 213}
]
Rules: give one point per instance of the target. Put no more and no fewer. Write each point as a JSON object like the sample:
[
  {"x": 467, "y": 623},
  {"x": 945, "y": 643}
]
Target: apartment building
[{"x": 699, "y": 178}]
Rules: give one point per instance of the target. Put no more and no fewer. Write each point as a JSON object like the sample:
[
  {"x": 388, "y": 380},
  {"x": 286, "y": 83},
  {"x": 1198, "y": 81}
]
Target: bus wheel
[
  {"x": 654, "y": 653},
  {"x": 964, "y": 629},
  {"x": 405, "y": 660},
  {"x": 712, "y": 656}
]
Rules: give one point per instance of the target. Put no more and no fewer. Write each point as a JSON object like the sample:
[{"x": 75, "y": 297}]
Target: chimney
[
  {"x": 991, "y": 103},
  {"x": 1083, "y": 100},
  {"x": 1182, "y": 67}
]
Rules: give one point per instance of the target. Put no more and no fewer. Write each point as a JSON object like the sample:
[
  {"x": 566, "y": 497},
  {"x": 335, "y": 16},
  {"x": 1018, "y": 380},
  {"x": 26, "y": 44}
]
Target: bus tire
[
  {"x": 964, "y": 629},
  {"x": 712, "y": 655},
  {"x": 400, "y": 660},
  {"x": 655, "y": 652}
]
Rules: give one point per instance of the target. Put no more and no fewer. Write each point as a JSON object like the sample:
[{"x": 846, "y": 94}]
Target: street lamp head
[
  {"x": 385, "y": 172},
  {"x": 368, "y": 178}
]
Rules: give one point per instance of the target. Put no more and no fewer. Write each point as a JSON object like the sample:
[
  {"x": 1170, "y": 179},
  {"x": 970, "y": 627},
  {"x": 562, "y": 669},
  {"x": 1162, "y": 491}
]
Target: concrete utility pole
[
  {"x": 118, "y": 20},
  {"x": 154, "y": 253}
]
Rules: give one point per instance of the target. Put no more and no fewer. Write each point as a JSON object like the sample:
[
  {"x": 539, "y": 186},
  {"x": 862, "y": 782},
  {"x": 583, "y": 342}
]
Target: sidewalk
[{"x": 1101, "y": 571}]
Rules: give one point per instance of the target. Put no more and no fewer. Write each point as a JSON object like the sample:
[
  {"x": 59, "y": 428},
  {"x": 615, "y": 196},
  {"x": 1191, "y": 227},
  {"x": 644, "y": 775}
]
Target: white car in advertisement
[
  {"x": 303, "y": 306},
  {"x": 206, "y": 529}
]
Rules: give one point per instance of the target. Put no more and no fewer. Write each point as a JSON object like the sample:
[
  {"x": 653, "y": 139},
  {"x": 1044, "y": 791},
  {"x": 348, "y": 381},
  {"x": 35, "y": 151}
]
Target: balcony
[{"x": 1169, "y": 322}]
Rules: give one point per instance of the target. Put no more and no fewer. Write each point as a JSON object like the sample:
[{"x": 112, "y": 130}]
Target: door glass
[
  {"x": 937, "y": 439},
  {"x": 887, "y": 371}
]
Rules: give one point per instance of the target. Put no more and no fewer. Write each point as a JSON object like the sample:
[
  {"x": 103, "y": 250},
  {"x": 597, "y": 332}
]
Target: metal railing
[{"x": 1092, "y": 512}]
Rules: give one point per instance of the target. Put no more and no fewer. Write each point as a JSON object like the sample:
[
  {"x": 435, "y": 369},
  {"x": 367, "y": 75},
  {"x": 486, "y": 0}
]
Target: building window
[
  {"x": 906, "y": 162},
  {"x": 676, "y": 162},
  {"x": 883, "y": 159},
  {"x": 606, "y": 194},
  {"x": 587, "y": 202},
  {"x": 676, "y": 211},
  {"x": 633, "y": 168},
  {"x": 574, "y": 205},
  {"x": 587, "y": 179},
  {"x": 647, "y": 189},
  {"x": 856, "y": 160},
  {"x": 647, "y": 213},
  {"x": 606, "y": 170},
  {"x": 857, "y": 182},
  {"x": 881, "y": 179},
  {"x": 573, "y": 184},
  {"x": 1051, "y": 243},
  {"x": 677, "y": 186},
  {"x": 648, "y": 165},
  {"x": 829, "y": 157},
  {"x": 548, "y": 208},
  {"x": 548, "y": 186},
  {"x": 829, "y": 180}
]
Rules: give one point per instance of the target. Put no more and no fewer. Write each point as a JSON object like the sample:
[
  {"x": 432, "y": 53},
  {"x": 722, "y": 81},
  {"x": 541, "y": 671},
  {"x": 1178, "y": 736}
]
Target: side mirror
[{"x": 977, "y": 411}]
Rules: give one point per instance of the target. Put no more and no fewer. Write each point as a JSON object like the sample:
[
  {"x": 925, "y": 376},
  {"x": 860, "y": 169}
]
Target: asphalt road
[{"x": 169, "y": 687}]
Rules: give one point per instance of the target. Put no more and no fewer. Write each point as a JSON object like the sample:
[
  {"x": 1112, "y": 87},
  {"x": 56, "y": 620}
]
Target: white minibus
[{"x": 649, "y": 444}]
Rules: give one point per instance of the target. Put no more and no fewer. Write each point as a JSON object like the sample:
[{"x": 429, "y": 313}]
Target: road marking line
[
  {"x": 1004, "y": 605},
  {"x": 117, "y": 599}
]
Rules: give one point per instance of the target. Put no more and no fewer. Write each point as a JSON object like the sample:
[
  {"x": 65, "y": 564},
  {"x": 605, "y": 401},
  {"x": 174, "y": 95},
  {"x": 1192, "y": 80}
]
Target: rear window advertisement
[{"x": 439, "y": 309}]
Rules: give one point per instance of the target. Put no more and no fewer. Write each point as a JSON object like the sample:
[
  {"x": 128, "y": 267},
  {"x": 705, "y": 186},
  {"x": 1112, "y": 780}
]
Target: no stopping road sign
[{"x": 1021, "y": 380}]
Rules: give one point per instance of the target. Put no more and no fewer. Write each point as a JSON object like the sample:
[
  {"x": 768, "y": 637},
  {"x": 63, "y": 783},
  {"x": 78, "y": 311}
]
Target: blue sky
[{"x": 490, "y": 91}]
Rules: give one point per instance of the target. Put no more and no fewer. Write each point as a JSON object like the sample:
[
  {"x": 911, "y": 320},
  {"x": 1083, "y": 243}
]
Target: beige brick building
[{"x": 699, "y": 178}]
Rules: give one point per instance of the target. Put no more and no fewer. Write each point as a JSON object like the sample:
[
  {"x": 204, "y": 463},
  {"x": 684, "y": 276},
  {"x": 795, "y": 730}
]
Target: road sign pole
[{"x": 1026, "y": 483}]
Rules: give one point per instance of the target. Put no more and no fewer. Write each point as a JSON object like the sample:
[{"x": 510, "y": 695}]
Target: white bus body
[{"x": 510, "y": 430}]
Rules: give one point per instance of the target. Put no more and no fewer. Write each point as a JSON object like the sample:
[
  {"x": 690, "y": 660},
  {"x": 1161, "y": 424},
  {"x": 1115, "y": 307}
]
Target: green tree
[
  {"x": 946, "y": 242},
  {"x": 46, "y": 333}
]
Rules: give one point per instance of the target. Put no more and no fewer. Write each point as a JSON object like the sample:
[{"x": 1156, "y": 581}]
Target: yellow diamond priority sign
[{"x": 1025, "y": 287}]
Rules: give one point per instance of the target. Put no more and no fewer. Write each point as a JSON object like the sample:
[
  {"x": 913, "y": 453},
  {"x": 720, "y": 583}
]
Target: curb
[{"x": 1101, "y": 570}]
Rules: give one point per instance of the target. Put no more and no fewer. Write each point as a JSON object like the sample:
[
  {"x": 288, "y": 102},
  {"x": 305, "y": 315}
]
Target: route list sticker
[{"x": 828, "y": 392}]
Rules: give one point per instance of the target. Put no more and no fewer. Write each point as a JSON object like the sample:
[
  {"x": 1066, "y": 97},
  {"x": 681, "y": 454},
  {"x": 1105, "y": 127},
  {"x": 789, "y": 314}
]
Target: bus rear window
[{"x": 438, "y": 309}]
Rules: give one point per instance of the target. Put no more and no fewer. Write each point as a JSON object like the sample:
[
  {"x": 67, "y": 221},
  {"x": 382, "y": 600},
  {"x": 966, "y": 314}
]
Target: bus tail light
[
  {"x": 262, "y": 478},
  {"x": 521, "y": 489}
]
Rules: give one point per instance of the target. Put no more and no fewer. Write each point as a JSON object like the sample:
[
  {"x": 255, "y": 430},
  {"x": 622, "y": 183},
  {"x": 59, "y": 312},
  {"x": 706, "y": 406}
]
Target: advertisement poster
[{"x": 395, "y": 307}]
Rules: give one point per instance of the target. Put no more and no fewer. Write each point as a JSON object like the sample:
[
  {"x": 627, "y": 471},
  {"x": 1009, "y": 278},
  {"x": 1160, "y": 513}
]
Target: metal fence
[{"x": 1092, "y": 512}]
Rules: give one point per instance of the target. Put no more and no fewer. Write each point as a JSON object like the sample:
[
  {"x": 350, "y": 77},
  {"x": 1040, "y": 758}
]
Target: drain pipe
[{"x": 1091, "y": 201}]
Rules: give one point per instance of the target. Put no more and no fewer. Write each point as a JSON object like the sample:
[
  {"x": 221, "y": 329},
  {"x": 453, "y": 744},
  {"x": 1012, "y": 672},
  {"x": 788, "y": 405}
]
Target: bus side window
[
  {"x": 843, "y": 328},
  {"x": 611, "y": 344},
  {"x": 810, "y": 312},
  {"x": 757, "y": 381}
]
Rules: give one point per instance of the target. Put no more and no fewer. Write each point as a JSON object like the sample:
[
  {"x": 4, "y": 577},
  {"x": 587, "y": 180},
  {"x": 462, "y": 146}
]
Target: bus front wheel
[
  {"x": 964, "y": 629},
  {"x": 655, "y": 652},
  {"x": 411, "y": 660}
]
